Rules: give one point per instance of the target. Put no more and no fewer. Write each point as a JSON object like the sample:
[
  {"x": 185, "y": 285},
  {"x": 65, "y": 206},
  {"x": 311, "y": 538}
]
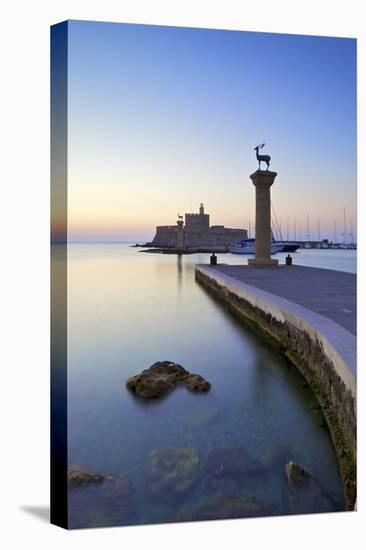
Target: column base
[{"x": 270, "y": 262}]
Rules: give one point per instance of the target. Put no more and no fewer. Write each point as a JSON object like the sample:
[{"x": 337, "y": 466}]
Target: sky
[{"x": 161, "y": 119}]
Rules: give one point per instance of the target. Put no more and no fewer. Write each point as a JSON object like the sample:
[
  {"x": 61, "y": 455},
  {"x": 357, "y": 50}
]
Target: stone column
[
  {"x": 180, "y": 234},
  {"x": 262, "y": 180}
]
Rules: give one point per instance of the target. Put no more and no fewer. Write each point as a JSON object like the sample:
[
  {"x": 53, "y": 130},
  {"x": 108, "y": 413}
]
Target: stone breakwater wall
[
  {"x": 323, "y": 351},
  {"x": 196, "y": 237}
]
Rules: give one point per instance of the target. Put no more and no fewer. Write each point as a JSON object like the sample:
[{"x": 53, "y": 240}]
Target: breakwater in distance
[
  {"x": 314, "y": 245},
  {"x": 322, "y": 347}
]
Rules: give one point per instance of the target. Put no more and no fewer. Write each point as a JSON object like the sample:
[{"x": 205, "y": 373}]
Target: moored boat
[
  {"x": 247, "y": 246},
  {"x": 287, "y": 246}
]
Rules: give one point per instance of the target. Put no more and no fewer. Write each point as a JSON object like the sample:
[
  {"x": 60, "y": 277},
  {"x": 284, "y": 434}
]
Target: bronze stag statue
[{"x": 262, "y": 158}]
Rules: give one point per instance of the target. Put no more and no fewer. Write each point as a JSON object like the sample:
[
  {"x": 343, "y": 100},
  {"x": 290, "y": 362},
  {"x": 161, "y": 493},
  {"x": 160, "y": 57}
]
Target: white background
[{"x": 24, "y": 306}]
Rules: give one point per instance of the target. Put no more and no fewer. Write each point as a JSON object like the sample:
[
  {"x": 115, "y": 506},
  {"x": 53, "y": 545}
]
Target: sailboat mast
[
  {"x": 318, "y": 229},
  {"x": 307, "y": 225},
  {"x": 276, "y": 225},
  {"x": 351, "y": 233}
]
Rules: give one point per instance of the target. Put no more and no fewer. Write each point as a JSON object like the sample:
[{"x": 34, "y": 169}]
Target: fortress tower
[
  {"x": 198, "y": 222},
  {"x": 196, "y": 233}
]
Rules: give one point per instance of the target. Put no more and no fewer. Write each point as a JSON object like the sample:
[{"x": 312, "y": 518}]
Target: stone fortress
[{"x": 196, "y": 233}]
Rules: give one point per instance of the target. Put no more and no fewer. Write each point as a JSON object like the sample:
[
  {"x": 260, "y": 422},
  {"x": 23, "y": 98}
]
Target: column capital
[{"x": 263, "y": 177}]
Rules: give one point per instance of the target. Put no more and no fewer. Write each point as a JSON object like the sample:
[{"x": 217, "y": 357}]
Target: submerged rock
[
  {"x": 107, "y": 501},
  {"x": 78, "y": 476},
  {"x": 162, "y": 377},
  {"x": 171, "y": 471},
  {"x": 296, "y": 473},
  {"x": 230, "y": 507},
  {"x": 231, "y": 462},
  {"x": 305, "y": 494}
]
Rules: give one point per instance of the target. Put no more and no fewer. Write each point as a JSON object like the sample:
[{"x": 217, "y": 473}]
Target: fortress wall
[
  {"x": 166, "y": 235},
  {"x": 214, "y": 238}
]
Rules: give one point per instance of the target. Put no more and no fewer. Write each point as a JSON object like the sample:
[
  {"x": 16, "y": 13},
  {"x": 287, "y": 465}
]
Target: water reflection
[
  {"x": 179, "y": 272},
  {"x": 123, "y": 315}
]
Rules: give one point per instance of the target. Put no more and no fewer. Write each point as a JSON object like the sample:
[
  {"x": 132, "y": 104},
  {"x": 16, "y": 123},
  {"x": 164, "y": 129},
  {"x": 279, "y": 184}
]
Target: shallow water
[{"x": 128, "y": 309}]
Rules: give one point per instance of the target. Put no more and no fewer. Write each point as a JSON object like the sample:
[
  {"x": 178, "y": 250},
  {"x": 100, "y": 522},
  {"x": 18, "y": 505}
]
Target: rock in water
[
  {"x": 96, "y": 500},
  {"x": 196, "y": 382},
  {"x": 296, "y": 473},
  {"x": 305, "y": 494},
  {"x": 171, "y": 471},
  {"x": 162, "y": 377},
  {"x": 78, "y": 476}
]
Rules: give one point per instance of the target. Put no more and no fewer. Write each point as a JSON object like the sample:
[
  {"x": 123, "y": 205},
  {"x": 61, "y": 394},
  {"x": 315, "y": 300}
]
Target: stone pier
[
  {"x": 310, "y": 315},
  {"x": 262, "y": 180}
]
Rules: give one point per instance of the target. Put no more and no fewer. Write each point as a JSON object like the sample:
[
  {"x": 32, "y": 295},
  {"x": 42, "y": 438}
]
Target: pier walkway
[{"x": 327, "y": 292}]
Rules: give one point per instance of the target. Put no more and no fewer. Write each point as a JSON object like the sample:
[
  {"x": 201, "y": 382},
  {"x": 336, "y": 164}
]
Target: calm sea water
[{"x": 128, "y": 309}]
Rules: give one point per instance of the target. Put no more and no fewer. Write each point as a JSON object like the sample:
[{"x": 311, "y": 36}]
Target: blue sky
[{"x": 163, "y": 118}]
